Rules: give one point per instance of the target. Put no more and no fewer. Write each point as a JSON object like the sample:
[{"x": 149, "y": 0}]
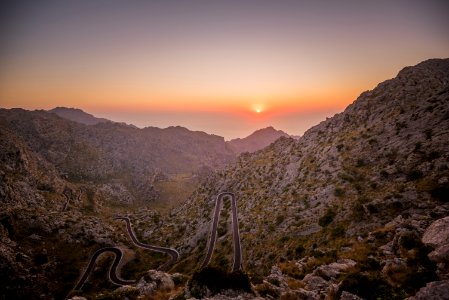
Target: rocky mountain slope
[
  {"x": 123, "y": 161},
  {"x": 343, "y": 209},
  {"x": 357, "y": 208},
  {"x": 257, "y": 140},
  {"x": 77, "y": 115}
]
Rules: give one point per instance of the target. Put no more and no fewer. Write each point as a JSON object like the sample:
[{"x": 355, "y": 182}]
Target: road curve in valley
[
  {"x": 112, "y": 274},
  {"x": 237, "y": 265},
  {"x": 172, "y": 252}
]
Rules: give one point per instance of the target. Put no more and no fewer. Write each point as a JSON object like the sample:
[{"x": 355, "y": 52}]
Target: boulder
[
  {"x": 438, "y": 290},
  {"x": 315, "y": 283},
  {"x": 437, "y": 234},
  {"x": 154, "y": 281},
  {"x": 331, "y": 271}
]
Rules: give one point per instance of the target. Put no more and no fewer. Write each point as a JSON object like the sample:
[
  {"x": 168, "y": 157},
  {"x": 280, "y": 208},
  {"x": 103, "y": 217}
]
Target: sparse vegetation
[{"x": 328, "y": 217}]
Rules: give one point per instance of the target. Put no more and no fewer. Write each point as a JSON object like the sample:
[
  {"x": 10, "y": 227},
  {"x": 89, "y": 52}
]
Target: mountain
[
  {"x": 356, "y": 208},
  {"x": 254, "y": 142},
  {"x": 348, "y": 208},
  {"x": 257, "y": 140},
  {"x": 77, "y": 115},
  {"x": 122, "y": 161}
]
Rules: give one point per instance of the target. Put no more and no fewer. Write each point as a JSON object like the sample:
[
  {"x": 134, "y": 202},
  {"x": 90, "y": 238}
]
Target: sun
[{"x": 258, "y": 108}]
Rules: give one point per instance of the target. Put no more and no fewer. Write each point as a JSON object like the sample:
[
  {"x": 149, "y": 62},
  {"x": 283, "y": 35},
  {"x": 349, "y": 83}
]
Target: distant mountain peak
[
  {"x": 77, "y": 115},
  {"x": 259, "y": 139},
  {"x": 268, "y": 130}
]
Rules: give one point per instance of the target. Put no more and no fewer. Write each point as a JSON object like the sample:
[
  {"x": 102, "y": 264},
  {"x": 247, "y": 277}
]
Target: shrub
[
  {"x": 370, "y": 286},
  {"x": 338, "y": 231},
  {"x": 284, "y": 239},
  {"x": 417, "y": 146},
  {"x": 280, "y": 219},
  {"x": 299, "y": 250},
  {"x": 414, "y": 175},
  {"x": 266, "y": 291},
  {"x": 338, "y": 192},
  {"x": 360, "y": 162},
  {"x": 327, "y": 218},
  {"x": 440, "y": 193}
]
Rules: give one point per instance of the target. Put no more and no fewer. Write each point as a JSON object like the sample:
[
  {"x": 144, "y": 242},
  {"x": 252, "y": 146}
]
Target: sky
[{"x": 223, "y": 67}]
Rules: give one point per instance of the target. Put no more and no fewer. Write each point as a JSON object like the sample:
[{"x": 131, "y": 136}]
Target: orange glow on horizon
[{"x": 245, "y": 107}]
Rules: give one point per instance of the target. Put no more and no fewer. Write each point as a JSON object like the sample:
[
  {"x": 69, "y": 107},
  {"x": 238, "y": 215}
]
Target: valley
[{"x": 356, "y": 208}]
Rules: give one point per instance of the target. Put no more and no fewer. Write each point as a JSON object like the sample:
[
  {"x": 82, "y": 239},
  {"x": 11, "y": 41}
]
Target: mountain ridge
[
  {"x": 77, "y": 115},
  {"x": 357, "y": 208},
  {"x": 254, "y": 142}
]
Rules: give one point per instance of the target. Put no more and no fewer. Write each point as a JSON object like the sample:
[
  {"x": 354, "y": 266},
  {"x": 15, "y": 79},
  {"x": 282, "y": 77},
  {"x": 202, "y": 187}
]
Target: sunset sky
[{"x": 224, "y": 67}]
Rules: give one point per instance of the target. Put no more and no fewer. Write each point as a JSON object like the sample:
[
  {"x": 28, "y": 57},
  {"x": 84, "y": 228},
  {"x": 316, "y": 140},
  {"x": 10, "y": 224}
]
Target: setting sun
[{"x": 258, "y": 110}]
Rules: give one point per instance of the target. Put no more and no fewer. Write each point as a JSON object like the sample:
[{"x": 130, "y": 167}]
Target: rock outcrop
[{"x": 437, "y": 236}]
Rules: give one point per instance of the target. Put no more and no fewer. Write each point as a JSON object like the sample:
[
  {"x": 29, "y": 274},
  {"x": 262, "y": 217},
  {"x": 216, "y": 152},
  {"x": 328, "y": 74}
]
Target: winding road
[
  {"x": 112, "y": 275},
  {"x": 172, "y": 252},
  {"x": 237, "y": 265}
]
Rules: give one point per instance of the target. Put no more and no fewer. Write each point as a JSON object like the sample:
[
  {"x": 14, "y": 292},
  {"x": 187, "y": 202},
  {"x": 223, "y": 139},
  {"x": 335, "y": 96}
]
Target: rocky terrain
[
  {"x": 122, "y": 161},
  {"x": 348, "y": 208},
  {"x": 357, "y": 208}
]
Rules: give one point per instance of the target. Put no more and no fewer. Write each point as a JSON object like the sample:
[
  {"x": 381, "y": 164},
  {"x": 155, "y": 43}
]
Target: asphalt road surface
[
  {"x": 237, "y": 265},
  {"x": 112, "y": 275},
  {"x": 172, "y": 252}
]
